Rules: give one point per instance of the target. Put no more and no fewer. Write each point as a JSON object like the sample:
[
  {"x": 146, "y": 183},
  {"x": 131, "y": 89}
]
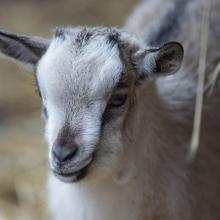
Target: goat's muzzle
[{"x": 67, "y": 163}]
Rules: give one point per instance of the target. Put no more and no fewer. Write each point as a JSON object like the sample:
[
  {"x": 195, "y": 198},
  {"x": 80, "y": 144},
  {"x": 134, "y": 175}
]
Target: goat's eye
[{"x": 117, "y": 100}]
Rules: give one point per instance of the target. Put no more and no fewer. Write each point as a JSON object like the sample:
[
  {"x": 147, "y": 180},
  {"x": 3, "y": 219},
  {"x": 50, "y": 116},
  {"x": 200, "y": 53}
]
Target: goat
[{"x": 118, "y": 115}]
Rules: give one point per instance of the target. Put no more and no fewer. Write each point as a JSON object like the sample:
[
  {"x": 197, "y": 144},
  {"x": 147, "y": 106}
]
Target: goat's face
[
  {"x": 84, "y": 79},
  {"x": 77, "y": 78}
]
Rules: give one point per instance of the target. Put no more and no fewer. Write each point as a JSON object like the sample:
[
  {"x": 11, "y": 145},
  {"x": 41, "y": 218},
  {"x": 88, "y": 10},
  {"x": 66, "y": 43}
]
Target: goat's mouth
[{"x": 72, "y": 175}]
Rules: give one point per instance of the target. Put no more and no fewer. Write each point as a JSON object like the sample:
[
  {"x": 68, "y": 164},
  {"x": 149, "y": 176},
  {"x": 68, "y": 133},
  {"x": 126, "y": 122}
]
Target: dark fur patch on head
[
  {"x": 59, "y": 33},
  {"x": 83, "y": 37},
  {"x": 112, "y": 38}
]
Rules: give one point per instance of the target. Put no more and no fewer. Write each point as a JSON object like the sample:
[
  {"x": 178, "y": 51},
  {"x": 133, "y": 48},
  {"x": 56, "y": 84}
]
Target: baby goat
[{"x": 118, "y": 134}]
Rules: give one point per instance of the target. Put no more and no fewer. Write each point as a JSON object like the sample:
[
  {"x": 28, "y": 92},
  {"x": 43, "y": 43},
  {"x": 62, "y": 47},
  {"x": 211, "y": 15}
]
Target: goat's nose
[{"x": 64, "y": 153}]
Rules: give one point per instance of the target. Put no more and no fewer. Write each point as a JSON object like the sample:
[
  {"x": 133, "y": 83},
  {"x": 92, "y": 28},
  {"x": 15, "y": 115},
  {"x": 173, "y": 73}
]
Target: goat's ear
[
  {"x": 26, "y": 50},
  {"x": 162, "y": 61}
]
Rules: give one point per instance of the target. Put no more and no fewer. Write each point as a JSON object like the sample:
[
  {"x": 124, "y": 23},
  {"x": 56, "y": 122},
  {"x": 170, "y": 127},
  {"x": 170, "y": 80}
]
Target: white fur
[
  {"x": 92, "y": 74},
  {"x": 137, "y": 160},
  {"x": 141, "y": 171}
]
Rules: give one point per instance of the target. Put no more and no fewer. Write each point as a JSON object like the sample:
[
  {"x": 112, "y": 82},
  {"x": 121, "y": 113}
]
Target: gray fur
[
  {"x": 21, "y": 48},
  {"x": 133, "y": 158}
]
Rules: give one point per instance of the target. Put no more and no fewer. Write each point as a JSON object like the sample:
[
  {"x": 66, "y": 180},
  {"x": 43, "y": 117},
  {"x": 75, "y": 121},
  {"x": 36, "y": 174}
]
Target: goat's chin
[
  {"x": 69, "y": 174},
  {"x": 87, "y": 174},
  {"x": 97, "y": 171},
  {"x": 71, "y": 178},
  {"x": 102, "y": 165}
]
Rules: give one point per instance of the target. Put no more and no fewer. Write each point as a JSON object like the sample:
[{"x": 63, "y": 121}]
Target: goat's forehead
[{"x": 90, "y": 69}]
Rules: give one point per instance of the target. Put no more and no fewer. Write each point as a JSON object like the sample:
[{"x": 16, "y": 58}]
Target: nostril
[{"x": 64, "y": 153}]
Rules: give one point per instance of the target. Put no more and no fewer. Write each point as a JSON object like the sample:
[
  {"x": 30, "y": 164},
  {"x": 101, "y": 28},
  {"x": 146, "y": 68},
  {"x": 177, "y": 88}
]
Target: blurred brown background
[{"x": 23, "y": 153}]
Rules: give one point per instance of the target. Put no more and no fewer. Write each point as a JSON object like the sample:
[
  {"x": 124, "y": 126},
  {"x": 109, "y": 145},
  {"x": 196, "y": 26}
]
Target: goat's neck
[{"x": 158, "y": 141}]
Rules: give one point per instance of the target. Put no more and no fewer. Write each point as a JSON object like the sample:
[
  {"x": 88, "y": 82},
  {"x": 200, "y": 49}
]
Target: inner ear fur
[{"x": 161, "y": 61}]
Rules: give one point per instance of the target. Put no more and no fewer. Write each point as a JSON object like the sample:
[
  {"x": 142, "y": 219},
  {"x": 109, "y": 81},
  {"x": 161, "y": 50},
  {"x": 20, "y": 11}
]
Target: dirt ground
[{"x": 23, "y": 153}]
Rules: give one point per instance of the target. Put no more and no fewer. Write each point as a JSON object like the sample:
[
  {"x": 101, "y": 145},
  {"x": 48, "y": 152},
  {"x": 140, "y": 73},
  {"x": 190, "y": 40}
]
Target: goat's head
[{"x": 86, "y": 78}]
